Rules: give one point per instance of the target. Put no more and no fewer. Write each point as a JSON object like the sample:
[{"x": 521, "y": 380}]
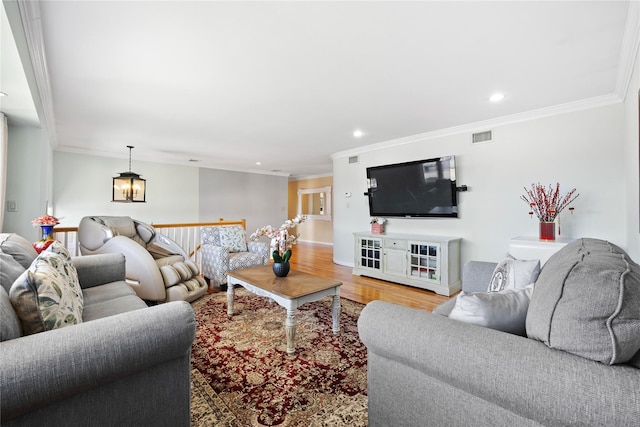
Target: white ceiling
[{"x": 286, "y": 83}]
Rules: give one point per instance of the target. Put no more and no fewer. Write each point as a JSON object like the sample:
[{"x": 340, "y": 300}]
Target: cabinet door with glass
[
  {"x": 424, "y": 261},
  {"x": 370, "y": 253}
]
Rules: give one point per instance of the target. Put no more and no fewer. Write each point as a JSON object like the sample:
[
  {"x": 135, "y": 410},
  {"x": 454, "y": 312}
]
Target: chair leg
[{"x": 212, "y": 283}]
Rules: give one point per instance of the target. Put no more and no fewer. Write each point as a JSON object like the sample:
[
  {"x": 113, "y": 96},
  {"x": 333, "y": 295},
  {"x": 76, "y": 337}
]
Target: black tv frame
[{"x": 418, "y": 191}]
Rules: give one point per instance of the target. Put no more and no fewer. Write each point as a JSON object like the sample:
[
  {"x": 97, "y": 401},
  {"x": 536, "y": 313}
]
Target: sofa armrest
[
  {"x": 518, "y": 374},
  {"x": 40, "y": 369},
  {"x": 260, "y": 248},
  {"x": 95, "y": 270},
  {"x": 476, "y": 276},
  {"x": 215, "y": 262}
]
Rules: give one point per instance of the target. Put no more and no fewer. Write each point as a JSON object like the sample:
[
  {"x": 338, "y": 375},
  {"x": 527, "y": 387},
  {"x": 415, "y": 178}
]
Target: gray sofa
[
  {"x": 426, "y": 369},
  {"x": 124, "y": 364}
]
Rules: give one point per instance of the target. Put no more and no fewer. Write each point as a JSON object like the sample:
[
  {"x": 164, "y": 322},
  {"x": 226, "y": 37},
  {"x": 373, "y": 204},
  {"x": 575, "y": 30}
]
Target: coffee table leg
[
  {"x": 290, "y": 330},
  {"x": 230, "y": 294},
  {"x": 335, "y": 314}
]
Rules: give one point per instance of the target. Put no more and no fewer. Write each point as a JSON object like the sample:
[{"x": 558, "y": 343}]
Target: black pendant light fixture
[{"x": 129, "y": 187}]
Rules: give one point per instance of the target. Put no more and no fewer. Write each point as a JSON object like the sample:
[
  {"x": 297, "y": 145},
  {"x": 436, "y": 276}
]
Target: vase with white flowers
[
  {"x": 547, "y": 203},
  {"x": 282, "y": 241}
]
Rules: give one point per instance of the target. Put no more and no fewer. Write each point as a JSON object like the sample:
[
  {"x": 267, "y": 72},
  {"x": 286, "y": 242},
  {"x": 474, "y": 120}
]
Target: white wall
[
  {"x": 80, "y": 185},
  {"x": 583, "y": 149},
  {"x": 632, "y": 165},
  {"x": 83, "y": 186},
  {"x": 260, "y": 199},
  {"x": 28, "y": 179}
]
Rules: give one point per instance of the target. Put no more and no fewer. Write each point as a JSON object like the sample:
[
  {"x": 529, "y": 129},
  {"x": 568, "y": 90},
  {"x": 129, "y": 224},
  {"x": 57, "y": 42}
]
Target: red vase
[{"x": 547, "y": 231}]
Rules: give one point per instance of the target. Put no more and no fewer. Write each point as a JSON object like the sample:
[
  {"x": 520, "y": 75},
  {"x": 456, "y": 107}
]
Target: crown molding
[
  {"x": 585, "y": 104},
  {"x": 32, "y": 29},
  {"x": 629, "y": 49},
  {"x": 140, "y": 157},
  {"x": 305, "y": 177}
]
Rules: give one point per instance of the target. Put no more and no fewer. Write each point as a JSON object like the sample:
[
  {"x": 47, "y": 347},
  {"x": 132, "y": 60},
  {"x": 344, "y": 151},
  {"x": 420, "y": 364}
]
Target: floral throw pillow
[
  {"x": 48, "y": 295},
  {"x": 58, "y": 248},
  {"x": 233, "y": 238},
  {"x": 511, "y": 273}
]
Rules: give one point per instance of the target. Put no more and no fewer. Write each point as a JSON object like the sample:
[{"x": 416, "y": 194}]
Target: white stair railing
[{"x": 187, "y": 235}]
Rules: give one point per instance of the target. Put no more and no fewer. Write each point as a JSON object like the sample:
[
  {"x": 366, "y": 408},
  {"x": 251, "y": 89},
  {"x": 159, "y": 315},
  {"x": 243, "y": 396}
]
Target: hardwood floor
[{"x": 318, "y": 259}]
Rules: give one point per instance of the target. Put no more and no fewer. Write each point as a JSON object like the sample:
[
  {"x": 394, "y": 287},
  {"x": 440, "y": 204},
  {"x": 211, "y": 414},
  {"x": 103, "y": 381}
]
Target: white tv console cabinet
[
  {"x": 529, "y": 247},
  {"x": 427, "y": 262}
]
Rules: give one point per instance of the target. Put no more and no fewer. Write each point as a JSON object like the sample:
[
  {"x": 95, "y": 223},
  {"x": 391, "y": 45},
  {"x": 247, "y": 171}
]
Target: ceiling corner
[{"x": 629, "y": 50}]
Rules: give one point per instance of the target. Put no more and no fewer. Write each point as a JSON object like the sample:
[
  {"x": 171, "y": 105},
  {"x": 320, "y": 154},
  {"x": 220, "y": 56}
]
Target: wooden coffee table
[{"x": 290, "y": 292}]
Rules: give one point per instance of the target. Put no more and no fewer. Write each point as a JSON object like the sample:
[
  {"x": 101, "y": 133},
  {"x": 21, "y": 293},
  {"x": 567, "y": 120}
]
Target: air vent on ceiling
[
  {"x": 485, "y": 136},
  {"x": 353, "y": 159}
]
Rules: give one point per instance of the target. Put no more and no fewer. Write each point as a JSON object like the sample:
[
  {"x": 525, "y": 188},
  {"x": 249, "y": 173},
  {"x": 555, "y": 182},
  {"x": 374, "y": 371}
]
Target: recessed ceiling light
[
  {"x": 357, "y": 133},
  {"x": 496, "y": 97},
  {"x": 258, "y": 163}
]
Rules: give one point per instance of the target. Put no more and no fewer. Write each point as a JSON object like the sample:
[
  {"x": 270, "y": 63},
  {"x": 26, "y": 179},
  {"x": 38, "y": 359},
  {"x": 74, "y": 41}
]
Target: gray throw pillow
[
  {"x": 587, "y": 302},
  {"x": 512, "y": 273},
  {"x": 10, "y": 270},
  {"x": 10, "y": 324},
  {"x": 19, "y": 248}
]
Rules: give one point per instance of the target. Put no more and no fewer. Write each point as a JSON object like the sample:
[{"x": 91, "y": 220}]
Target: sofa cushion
[
  {"x": 511, "y": 273},
  {"x": 9, "y": 323},
  {"x": 242, "y": 260},
  {"x": 233, "y": 238},
  {"x": 47, "y": 295},
  {"x": 504, "y": 311},
  {"x": 106, "y": 292},
  {"x": 635, "y": 361},
  {"x": 587, "y": 302},
  {"x": 19, "y": 248},
  {"x": 112, "y": 306},
  {"x": 10, "y": 270}
]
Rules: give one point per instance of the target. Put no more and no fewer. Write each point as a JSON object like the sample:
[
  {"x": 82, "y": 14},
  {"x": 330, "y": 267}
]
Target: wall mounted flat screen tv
[{"x": 422, "y": 188}]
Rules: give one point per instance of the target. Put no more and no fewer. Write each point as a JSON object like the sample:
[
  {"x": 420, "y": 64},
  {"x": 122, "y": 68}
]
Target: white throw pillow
[
  {"x": 233, "y": 238},
  {"x": 511, "y": 273},
  {"x": 504, "y": 311}
]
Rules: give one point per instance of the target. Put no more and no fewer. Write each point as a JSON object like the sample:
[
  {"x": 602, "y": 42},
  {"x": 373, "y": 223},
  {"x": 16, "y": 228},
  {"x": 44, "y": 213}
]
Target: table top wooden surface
[{"x": 295, "y": 285}]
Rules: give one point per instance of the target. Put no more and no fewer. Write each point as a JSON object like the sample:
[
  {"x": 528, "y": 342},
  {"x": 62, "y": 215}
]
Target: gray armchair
[
  {"x": 225, "y": 248},
  {"x": 157, "y": 268}
]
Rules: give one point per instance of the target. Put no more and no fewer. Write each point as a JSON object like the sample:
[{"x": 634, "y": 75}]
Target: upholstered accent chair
[
  {"x": 157, "y": 268},
  {"x": 225, "y": 248}
]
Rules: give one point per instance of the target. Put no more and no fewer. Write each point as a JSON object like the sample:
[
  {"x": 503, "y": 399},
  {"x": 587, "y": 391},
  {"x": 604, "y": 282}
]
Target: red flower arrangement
[
  {"x": 547, "y": 203},
  {"x": 45, "y": 220}
]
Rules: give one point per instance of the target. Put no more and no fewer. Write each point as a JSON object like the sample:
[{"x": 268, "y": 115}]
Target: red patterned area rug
[{"x": 242, "y": 376}]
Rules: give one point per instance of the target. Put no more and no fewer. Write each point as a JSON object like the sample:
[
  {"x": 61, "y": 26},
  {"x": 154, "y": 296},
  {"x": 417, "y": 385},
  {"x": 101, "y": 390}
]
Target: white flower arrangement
[
  {"x": 377, "y": 220},
  {"x": 281, "y": 240}
]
